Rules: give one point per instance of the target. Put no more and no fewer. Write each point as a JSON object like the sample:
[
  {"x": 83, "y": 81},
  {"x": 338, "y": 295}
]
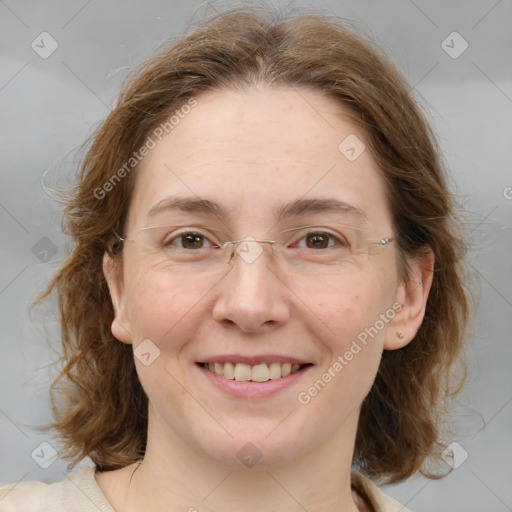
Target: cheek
[
  {"x": 350, "y": 308},
  {"x": 357, "y": 317},
  {"x": 360, "y": 343},
  {"x": 163, "y": 316},
  {"x": 160, "y": 307}
]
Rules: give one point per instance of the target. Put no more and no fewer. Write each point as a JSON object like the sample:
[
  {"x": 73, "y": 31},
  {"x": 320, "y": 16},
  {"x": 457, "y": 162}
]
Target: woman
[{"x": 264, "y": 299}]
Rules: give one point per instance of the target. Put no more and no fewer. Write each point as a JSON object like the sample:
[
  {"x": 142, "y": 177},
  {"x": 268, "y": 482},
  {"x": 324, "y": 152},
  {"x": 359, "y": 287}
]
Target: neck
[{"x": 173, "y": 476}]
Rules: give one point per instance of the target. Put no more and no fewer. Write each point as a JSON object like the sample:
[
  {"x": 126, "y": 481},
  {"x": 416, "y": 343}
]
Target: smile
[{"x": 261, "y": 372}]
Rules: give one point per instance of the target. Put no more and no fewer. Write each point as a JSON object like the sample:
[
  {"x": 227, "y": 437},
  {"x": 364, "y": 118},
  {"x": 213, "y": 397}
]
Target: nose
[{"x": 252, "y": 296}]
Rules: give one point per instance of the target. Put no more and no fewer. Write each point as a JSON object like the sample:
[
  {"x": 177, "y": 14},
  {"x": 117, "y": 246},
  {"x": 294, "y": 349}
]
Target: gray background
[{"x": 49, "y": 106}]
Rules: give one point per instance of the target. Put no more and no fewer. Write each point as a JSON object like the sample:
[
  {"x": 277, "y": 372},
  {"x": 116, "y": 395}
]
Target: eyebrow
[
  {"x": 281, "y": 211},
  {"x": 329, "y": 205}
]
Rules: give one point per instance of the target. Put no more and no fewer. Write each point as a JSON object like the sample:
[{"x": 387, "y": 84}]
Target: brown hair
[{"x": 104, "y": 414}]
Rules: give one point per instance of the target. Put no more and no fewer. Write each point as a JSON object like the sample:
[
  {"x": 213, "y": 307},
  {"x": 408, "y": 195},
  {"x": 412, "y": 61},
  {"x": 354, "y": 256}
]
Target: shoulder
[
  {"x": 76, "y": 493},
  {"x": 378, "y": 500}
]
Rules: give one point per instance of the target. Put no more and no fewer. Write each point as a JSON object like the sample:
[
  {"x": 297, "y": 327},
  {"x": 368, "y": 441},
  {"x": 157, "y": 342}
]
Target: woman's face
[{"x": 255, "y": 153}]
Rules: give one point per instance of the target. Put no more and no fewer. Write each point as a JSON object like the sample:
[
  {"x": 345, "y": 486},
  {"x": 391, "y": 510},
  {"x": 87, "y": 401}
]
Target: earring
[{"x": 400, "y": 334}]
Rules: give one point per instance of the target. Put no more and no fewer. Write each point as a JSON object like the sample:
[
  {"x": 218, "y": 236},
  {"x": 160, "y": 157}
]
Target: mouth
[{"x": 261, "y": 372}]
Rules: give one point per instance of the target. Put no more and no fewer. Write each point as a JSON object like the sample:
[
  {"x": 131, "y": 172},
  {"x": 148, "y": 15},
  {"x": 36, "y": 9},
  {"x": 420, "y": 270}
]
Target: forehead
[{"x": 257, "y": 150}]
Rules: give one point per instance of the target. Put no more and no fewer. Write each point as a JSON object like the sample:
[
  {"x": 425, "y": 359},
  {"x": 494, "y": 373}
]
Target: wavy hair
[{"x": 99, "y": 406}]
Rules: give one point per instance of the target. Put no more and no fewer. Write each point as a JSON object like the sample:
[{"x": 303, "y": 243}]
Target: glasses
[{"x": 304, "y": 250}]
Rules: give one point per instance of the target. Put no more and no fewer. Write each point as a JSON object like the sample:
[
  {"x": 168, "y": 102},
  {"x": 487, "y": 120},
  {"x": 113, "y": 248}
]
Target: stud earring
[{"x": 400, "y": 334}]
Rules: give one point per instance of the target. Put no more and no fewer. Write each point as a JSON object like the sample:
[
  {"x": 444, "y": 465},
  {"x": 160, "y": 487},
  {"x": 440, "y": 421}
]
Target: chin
[{"x": 254, "y": 450}]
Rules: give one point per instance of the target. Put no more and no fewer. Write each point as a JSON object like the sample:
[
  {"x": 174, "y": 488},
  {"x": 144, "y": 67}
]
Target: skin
[{"x": 250, "y": 151}]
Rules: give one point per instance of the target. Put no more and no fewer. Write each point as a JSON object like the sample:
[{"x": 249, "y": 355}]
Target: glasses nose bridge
[{"x": 249, "y": 248}]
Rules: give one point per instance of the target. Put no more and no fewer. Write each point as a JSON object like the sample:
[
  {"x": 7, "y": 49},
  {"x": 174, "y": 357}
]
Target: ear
[
  {"x": 120, "y": 325},
  {"x": 413, "y": 295}
]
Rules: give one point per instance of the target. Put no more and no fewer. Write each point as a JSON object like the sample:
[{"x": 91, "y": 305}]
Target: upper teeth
[{"x": 258, "y": 373}]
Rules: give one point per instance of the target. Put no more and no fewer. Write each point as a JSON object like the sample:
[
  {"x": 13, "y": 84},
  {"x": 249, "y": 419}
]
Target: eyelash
[{"x": 337, "y": 238}]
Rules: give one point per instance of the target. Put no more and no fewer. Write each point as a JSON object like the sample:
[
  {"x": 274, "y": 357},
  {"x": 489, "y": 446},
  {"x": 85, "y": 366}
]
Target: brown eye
[
  {"x": 322, "y": 242},
  {"x": 187, "y": 240},
  {"x": 192, "y": 241},
  {"x": 317, "y": 240}
]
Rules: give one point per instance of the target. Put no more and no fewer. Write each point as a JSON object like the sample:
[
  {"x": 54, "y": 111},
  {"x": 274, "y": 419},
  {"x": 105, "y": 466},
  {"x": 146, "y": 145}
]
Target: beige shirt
[{"x": 79, "y": 492}]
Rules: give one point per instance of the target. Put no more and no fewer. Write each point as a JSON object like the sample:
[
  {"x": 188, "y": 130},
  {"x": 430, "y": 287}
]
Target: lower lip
[{"x": 250, "y": 389}]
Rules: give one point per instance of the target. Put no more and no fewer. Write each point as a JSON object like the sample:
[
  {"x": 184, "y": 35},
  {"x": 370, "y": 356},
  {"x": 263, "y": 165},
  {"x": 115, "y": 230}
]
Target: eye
[
  {"x": 322, "y": 240},
  {"x": 188, "y": 240}
]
